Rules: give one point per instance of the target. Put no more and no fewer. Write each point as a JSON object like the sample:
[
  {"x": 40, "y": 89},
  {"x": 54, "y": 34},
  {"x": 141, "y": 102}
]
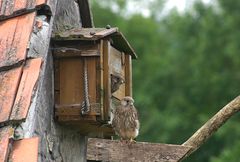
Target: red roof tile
[
  {"x": 25, "y": 150},
  {"x": 17, "y": 6},
  {"x": 5, "y": 134},
  {"x": 24, "y": 94},
  {"x": 14, "y": 38},
  {"x": 40, "y": 2},
  {"x": 9, "y": 81}
]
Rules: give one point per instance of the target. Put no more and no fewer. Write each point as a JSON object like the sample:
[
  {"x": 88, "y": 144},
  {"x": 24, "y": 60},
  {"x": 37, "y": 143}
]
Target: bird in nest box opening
[{"x": 116, "y": 81}]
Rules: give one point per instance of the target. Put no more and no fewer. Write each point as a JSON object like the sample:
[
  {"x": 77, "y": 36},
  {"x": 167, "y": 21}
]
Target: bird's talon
[{"x": 132, "y": 141}]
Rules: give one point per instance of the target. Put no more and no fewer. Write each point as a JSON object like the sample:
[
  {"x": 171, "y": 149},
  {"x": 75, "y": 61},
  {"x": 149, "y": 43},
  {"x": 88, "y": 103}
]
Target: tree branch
[{"x": 212, "y": 125}]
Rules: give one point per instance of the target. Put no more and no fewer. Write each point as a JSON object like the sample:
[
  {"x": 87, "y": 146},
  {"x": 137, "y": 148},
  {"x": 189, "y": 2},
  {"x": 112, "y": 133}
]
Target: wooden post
[
  {"x": 114, "y": 150},
  {"x": 128, "y": 75},
  {"x": 106, "y": 79}
]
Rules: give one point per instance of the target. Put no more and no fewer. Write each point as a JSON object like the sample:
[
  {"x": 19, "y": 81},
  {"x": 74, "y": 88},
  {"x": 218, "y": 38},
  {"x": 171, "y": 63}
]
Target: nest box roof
[{"x": 94, "y": 34}]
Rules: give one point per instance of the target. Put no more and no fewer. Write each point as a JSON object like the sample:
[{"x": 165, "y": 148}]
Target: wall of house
[{"x": 57, "y": 143}]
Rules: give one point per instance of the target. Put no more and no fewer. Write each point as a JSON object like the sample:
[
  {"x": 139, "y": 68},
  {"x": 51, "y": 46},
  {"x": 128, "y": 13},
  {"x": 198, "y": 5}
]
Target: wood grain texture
[
  {"x": 75, "y": 110},
  {"x": 106, "y": 80},
  {"x": 85, "y": 34},
  {"x": 60, "y": 53},
  {"x": 71, "y": 81},
  {"x": 117, "y": 66},
  {"x": 212, "y": 125},
  {"x": 128, "y": 75},
  {"x": 100, "y": 82},
  {"x": 113, "y": 150},
  {"x": 85, "y": 13}
]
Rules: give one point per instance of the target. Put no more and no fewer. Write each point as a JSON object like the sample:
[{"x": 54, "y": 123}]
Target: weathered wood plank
[
  {"x": 75, "y": 109},
  {"x": 73, "y": 52},
  {"x": 106, "y": 79},
  {"x": 117, "y": 66},
  {"x": 85, "y": 13},
  {"x": 113, "y": 150},
  {"x": 71, "y": 81},
  {"x": 100, "y": 81},
  {"x": 128, "y": 75}
]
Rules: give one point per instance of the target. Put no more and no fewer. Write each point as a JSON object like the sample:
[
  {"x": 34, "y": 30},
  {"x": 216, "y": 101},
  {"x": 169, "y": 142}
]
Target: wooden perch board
[{"x": 114, "y": 150}]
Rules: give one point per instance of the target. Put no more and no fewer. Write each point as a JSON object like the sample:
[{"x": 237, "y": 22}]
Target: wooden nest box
[{"x": 92, "y": 72}]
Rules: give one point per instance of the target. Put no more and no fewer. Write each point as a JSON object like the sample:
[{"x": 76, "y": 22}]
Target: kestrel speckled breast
[{"x": 125, "y": 120}]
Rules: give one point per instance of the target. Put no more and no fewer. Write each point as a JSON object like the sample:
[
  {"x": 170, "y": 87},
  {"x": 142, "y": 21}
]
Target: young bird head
[{"x": 127, "y": 101}]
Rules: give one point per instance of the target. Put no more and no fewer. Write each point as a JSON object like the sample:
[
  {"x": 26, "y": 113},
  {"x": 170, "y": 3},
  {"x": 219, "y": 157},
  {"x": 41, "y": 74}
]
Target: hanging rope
[{"x": 86, "y": 103}]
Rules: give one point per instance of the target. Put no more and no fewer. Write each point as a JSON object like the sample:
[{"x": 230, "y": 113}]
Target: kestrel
[
  {"x": 116, "y": 81},
  {"x": 125, "y": 120}
]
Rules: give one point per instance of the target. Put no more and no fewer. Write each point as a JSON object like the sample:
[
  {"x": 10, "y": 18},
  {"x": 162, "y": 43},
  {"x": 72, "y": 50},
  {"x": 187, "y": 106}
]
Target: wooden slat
[
  {"x": 117, "y": 66},
  {"x": 92, "y": 81},
  {"x": 28, "y": 80},
  {"x": 106, "y": 80},
  {"x": 73, "y": 52},
  {"x": 75, "y": 109},
  {"x": 9, "y": 81},
  {"x": 85, "y": 34},
  {"x": 116, "y": 61},
  {"x": 117, "y": 151},
  {"x": 128, "y": 75},
  {"x": 74, "y": 118},
  {"x": 71, "y": 81},
  {"x": 121, "y": 43},
  {"x": 85, "y": 13},
  {"x": 100, "y": 82},
  {"x": 25, "y": 150},
  {"x": 106, "y": 32},
  {"x": 5, "y": 134},
  {"x": 14, "y": 38}
]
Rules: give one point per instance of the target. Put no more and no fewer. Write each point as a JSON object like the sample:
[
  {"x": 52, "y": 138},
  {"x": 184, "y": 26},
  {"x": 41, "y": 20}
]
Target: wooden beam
[
  {"x": 128, "y": 75},
  {"x": 114, "y": 150},
  {"x": 85, "y": 14},
  {"x": 106, "y": 80}
]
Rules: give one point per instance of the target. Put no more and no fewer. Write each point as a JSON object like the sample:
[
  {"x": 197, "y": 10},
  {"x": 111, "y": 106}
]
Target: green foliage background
[{"x": 188, "y": 68}]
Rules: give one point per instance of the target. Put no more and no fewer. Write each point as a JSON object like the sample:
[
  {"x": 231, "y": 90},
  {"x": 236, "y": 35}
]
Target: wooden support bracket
[{"x": 114, "y": 150}]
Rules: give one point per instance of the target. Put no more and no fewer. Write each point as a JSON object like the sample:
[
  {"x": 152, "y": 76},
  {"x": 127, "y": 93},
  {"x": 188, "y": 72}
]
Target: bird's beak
[{"x": 131, "y": 104}]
